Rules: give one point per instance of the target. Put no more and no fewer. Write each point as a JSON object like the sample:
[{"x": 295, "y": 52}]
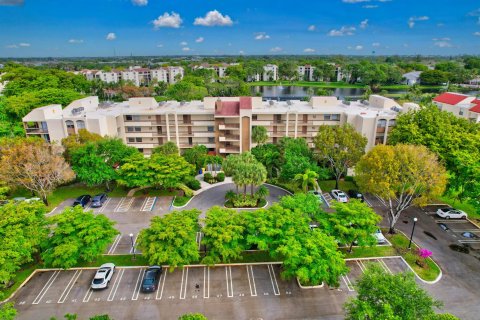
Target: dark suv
[
  {"x": 151, "y": 278},
  {"x": 82, "y": 201},
  {"x": 98, "y": 200},
  {"x": 354, "y": 194}
]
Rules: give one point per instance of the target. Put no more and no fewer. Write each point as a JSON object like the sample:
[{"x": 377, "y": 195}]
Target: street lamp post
[
  {"x": 133, "y": 245},
  {"x": 413, "y": 229}
]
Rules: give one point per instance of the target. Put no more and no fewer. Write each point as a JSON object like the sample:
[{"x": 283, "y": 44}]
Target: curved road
[{"x": 216, "y": 197}]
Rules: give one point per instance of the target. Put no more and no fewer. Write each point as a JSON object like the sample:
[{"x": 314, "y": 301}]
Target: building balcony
[
  {"x": 229, "y": 126},
  {"x": 229, "y": 137},
  {"x": 36, "y": 131},
  {"x": 229, "y": 150}
]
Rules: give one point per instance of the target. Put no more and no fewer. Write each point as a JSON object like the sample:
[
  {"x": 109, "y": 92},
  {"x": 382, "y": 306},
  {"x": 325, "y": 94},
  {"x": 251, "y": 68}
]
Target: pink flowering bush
[{"x": 424, "y": 254}]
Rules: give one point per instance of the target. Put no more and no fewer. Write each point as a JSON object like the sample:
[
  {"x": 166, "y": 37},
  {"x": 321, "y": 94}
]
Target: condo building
[
  {"x": 306, "y": 72},
  {"x": 224, "y": 125}
]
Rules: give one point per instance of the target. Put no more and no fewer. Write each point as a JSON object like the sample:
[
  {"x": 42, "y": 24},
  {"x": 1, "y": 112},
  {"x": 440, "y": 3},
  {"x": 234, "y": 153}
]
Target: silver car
[
  {"x": 103, "y": 276},
  {"x": 339, "y": 195}
]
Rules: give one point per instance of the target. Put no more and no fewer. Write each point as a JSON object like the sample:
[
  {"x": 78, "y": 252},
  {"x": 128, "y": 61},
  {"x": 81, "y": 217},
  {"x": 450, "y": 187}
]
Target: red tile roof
[
  {"x": 476, "y": 107},
  {"x": 246, "y": 103},
  {"x": 450, "y": 98},
  {"x": 229, "y": 108}
]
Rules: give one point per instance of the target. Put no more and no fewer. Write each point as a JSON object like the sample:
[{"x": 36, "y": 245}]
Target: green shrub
[
  {"x": 207, "y": 176},
  {"x": 221, "y": 177},
  {"x": 247, "y": 202},
  {"x": 193, "y": 183},
  {"x": 349, "y": 178}
]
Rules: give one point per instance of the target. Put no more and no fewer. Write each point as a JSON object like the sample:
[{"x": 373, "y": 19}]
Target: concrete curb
[
  {"x": 309, "y": 287},
  {"x": 246, "y": 208},
  {"x": 186, "y": 204},
  {"x": 272, "y": 185}
]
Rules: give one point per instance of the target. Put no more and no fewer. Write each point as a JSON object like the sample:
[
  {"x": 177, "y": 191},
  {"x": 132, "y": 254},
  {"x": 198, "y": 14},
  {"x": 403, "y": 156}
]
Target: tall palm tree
[{"x": 306, "y": 179}]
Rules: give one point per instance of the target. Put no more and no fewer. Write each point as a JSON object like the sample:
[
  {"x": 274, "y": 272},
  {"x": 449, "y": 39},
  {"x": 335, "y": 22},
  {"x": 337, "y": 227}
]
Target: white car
[
  {"x": 380, "y": 237},
  {"x": 451, "y": 213},
  {"x": 103, "y": 276},
  {"x": 339, "y": 195},
  {"x": 316, "y": 194}
]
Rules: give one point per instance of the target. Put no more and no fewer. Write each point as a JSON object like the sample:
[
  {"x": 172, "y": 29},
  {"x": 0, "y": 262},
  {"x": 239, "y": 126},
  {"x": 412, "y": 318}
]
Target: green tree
[
  {"x": 401, "y": 175},
  {"x": 186, "y": 91},
  {"x": 262, "y": 192},
  {"x": 8, "y": 311},
  {"x": 171, "y": 239},
  {"x": 259, "y": 134},
  {"x": 353, "y": 222},
  {"x": 341, "y": 146},
  {"x": 385, "y": 296},
  {"x": 269, "y": 155},
  {"x": 75, "y": 141},
  {"x": 433, "y": 77},
  {"x": 77, "y": 236},
  {"x": 223, "y": 235},
  {"x": 135, "y": 172},
  {"x": 166, "y": 149},
  {"x": 464, "y": 177},
  {"x": 305, "y": 203},
  {"x": 287, "y": 70},
  {"x": 196, "y": 155},
  {"x": 309, "y": 178},
  {"x": 22, "y": 230},
  {"x": 192, "y": 316}
]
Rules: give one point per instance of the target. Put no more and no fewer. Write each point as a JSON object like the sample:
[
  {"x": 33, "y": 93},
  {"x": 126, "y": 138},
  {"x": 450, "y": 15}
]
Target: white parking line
[
  {"x": 115, "y": 286},
  {"x": 88, "y": 295},
  {"x": 134, "y": 243},
  {"x": 119, "y": 204},
  {"x": 125, "y": 205},
  {"x": 136, "y": 291},
  {"x": 469, "y": 241},
  {"x": 384, "y": 266},
  {"x": 228, "y": 275},
  {"x": 450, "y": 221},
  {"x": 69, "y": 286},
  {"x": 46, "y": 287},
  {"x": 148, "y": 204},
  {"x": 115, "y": 244},
  {"x": 348, "y": 283},
  {"x": 164, "y": 274},
  {"x": 273, "y": 279},
  {"x": 183, "y": 286},
  {"x": 104, "y": 205},
  {"x": 361, "y": 265},
  {"x": 206, "y": 282},
  {"x": 251, "y": 280}
]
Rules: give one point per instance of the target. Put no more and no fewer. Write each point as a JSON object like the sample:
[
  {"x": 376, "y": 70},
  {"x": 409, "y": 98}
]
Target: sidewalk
[{"x": 206, "y": 186}]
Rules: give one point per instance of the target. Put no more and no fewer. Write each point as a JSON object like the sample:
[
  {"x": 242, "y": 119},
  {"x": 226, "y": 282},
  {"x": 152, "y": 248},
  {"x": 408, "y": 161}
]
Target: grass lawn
[
  {"x": 20, "y": 276},
  {"x": 119, "y": 260},
  {"x": 328, "y": 185},
  {"x": 368, "y": 252},
  {"x": 181, "y": 201},
  {"x": 400, "y": 244},
  {"x": 467, "y": 207},
  {"x": 153, "y": 192}
]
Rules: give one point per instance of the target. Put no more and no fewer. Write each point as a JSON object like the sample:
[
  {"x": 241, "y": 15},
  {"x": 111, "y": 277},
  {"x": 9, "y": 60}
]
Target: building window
[
  {"x": 128, "y": 118},
  {"x": 392, "y": 123},
  {"x": 382, "y": 123},
  {"x": 211, "y": 140},
  {"x": 254, "y": 117},
  {"x": 460, "y": 112},
  {"x": 69, "y": 124},
  {"x": 138, "y": 139},
  {"x": 80, "y": 124},
  {"x": 138, "y": 129},
  {"x": 190, "y": 140},
  {"x": 210, "y": 128},
  {"x": 278, "y": 118},
  {"x": 335, "y": 117},
  {"x": 140, "y": 150},
  {"x": 129, "y": 129},
  {"x": 132, "y": 140},
  {"x": 327, "y": 117}
]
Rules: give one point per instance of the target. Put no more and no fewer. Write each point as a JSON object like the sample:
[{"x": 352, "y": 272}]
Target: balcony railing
[
  {"x": 229, "y": 137},
  {"x": 229, "y": 126},
  {"x": 230, "y": 150},
  {"x": 36, "y": 130}
]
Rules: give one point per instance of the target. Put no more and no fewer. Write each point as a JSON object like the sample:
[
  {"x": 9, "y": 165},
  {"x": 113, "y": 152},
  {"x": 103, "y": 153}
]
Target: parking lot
[{"x": 70, "y": 289}]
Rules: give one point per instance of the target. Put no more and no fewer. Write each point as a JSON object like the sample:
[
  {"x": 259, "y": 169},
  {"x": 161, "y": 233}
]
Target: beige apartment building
[{"x": 223, "y": 125}]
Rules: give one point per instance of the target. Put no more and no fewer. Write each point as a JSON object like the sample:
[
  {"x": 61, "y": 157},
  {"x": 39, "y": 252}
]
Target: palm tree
[
  {"x": 306, "y": 179},
  {"x": 230, "y": 195},
  {"x": 262, "y": 192}
]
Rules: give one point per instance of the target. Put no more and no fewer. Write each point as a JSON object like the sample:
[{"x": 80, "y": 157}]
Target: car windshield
[
  {"x": 98, "y": 280},
  {"x": 148, "y": 281}
]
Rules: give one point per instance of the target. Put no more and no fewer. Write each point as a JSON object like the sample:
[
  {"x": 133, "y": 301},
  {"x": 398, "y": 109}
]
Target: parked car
[
  {"x": 354, "y": 194},
  {"x": 98, "y": 200},
  {"x": 339, "y": 195},
  {"x": 451, "y": 213},
  {"x": 82, "y": 201},
  {"x": 380, "y": 237},
  {"x": 151, "y": 279},
  {"x": 103, "y": 276},
  {"x": 316, "y": 194}
]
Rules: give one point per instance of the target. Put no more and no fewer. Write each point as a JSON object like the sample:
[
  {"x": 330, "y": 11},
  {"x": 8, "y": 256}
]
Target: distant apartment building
[
  {"x": 270, "y": 73},
  {"x": 411, "y": 78},
  {"x": 306, "y": 72},
  {"x": 461, "y": 105},
  {"x": 220, "y": 69},
  {"x": 224, "y": 125},
  {"x": 136, "y": 75}
]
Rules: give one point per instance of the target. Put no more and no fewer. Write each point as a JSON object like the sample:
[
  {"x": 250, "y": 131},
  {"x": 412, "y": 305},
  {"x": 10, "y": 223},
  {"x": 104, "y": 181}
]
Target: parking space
[
  {"x": 122, "y": 244},
  {"x": 327, "y": 199}
]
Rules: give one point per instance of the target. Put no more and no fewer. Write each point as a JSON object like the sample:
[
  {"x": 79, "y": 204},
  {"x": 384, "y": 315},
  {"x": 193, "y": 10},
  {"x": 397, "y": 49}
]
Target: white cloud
[
  {"x": 140, "y": 3},
  {"x": 168, "y": 20},
  {"x": 24, "y": 44},
  {"x": 355, "y": 1},
  {"x": 183, "y": 43},
  {"x": 358, "y": 47},
  {"x": 477, "y": 33},
  {"x": 364, "y": 24},
  {"x": 213, "y": 18},
  {"x": 412, "y": 20},
  {"x": 312, "y": 28},
  {"x": 111, "y": 36},
  {"x": 441, "y": 39},
  {"x": 343, "y": 31},
  {"x": 443, "y": 44},
  {"x": 75, "y": 41},
  {"x": 261, "y": 36},
  {"x": 474, "y": 13},
  {"x": 241, "y": 52},
  {"x": 199, "y": 40},
  {"x": 440, "y": 24},
  {"x": 370, "y": 6},
  {"x": 186, "y": 49},
  {"x": 11, "y": 46},
  {"x": 376, "y": 44},
  {"x": 309, "y": 50},
  {"x": 276, "y": 49},
  {"x": 159, "y": 45}
]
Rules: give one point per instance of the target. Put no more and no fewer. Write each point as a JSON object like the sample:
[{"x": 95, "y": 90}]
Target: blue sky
[{"x": 39, "y": 28}]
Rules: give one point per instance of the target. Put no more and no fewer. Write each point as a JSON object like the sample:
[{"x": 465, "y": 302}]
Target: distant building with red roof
[{"x": 461, "y": 105}]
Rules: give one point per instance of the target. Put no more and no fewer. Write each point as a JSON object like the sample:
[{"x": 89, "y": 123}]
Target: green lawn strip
[
  {"x": 20, "y": 277},
  {"x": 124, "y": 260},
  {"x": 400, "y": 244},
  {"x": 181, "y": 201},
  {"x": 153, "y": 192},
  {"x": 464, "y": 206},
  {"x": 369, "y": 252}
]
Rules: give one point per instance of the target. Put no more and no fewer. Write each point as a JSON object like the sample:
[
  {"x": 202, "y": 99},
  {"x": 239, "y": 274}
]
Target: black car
[
  {"x": 151, "y": 278},
  {"x": 354, "y": 194},
  {"x": 98, "y": 200},
  {"x": 82, "y": 201}
]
